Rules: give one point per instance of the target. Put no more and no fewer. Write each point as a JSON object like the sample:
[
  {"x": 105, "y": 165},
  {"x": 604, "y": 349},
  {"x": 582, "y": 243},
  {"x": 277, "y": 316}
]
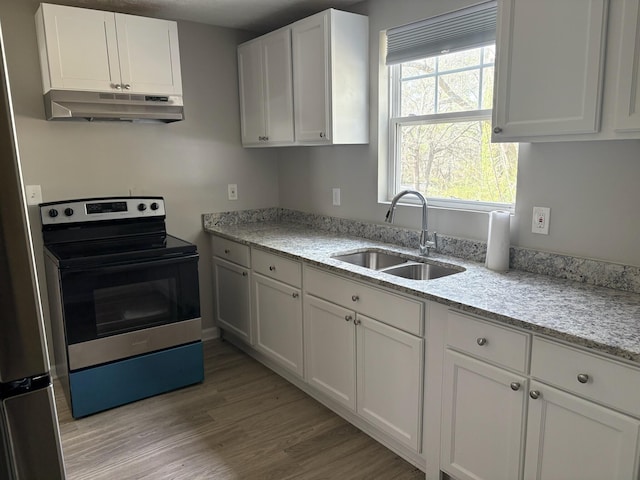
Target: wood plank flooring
[{"x": 242, "y": 422}]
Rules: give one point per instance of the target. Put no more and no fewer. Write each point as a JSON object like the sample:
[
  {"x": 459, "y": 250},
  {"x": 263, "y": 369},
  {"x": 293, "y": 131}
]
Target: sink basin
[
  {"x": 373, "y": 259},
  {"x": 422, "y": 271}
]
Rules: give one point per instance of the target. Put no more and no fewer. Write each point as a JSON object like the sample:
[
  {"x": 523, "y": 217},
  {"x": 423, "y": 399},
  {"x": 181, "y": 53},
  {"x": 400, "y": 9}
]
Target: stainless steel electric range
[{"x": 124, "y": 301}]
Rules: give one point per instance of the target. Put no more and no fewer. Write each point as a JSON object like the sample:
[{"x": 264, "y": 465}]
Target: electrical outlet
[
  {"x": 34, "y": 194},
  {"x": 336, "y": 197},
  {"x": 233, "y": 191},
  {"x": 540, "y": 220}
]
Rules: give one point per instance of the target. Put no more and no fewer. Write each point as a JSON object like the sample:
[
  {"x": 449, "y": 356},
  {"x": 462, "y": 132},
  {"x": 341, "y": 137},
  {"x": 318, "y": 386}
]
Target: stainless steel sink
[
  {"x": 422, "y": 271},
  {"x": 373, "y": 259},
  {"x": 395, "y": 264}
]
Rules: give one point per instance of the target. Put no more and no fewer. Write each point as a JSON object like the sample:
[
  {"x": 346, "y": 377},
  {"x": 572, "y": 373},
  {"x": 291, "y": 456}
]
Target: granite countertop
[{"x": 602, "y": 319}]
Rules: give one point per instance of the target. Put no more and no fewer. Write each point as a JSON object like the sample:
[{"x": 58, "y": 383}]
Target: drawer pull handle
[
  {"x": 244, "y": 274},
  {"x": 272, "y": 268},
  {"x": 535, "y": 394},
  {"x": 294, "y": 294},
  {"x": 515, "y": 386},
  {"x": 348, "y": 318},
  {"x": 583, "y": 377},
  {"x": 357, "y": 322},
  {"x": 481, "y": 341},
  {"x": 355, "y": 298},
  {"x": 227, "y": 251}
]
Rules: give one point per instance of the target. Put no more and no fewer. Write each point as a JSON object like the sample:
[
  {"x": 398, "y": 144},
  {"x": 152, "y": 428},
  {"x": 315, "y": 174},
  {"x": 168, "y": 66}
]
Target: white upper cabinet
[
  {"x": 307, "y": 83},
  {"x": 266, "y": 90},
  {"x": 330, "y": 78},
  {"x": 567, "y": 70},
  {"x": 627, "y": 116},
  {"x": 550, "y": 64},
  {"x": 91, "y": 50}
]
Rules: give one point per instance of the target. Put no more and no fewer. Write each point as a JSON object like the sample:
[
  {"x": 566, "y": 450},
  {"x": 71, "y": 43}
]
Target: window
[{"x": 440, "y": 130}]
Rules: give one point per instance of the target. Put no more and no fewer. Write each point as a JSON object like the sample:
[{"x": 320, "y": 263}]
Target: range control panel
[{"x": 100, "y": 209}]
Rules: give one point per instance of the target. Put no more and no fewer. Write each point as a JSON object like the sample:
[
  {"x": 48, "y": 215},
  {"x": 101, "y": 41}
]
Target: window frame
[{"x": 395, "y": 122}]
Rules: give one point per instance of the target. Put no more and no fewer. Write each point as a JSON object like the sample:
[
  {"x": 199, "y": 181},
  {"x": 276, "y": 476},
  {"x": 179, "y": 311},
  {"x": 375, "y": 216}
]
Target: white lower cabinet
[
  {"x": 389, "y": 372},
  {"x": 482, "y": 420},
  {"x": 233, "y": 305},
  {"x": 583, "y": 427},
  {"x": 232, "y": 285},
  {"x": 571, "y": 438},
  {"x": 278, "y": 319},
  {"x": 366, "y": 364},
  {"x": 330, "y": 350}
]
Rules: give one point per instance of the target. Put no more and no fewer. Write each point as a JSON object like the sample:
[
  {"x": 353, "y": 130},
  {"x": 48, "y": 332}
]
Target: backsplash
[{"x": 595, "y": 272}]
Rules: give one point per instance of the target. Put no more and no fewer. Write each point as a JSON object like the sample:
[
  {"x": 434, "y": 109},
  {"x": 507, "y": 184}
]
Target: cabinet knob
[
  {"x": 272, "y": 268},
  {"x": 583, "y": 377},
  {"x": 227, "y": 251},
  {"x": 481, "y": 341},
  {"x": 321, "y": 135},
  {"x": 117, "y": 86},
  {"x": 348, "y": 318},
  {"x": 497, "y": 130},
  {"x": 515, "y": 386},
  {"x": 295, "y": 295},
  {"x": 357, "y": 322},
  {"x": 355, "y": 298},
  {"x": 244, "y": 274},
  {"x": 535, "y": 394},
  {"x": 127, "y": 86}
]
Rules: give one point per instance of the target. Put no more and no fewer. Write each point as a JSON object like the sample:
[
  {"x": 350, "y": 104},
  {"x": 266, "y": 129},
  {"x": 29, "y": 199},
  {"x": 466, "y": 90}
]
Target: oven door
[{"x": 106, "y": 304}]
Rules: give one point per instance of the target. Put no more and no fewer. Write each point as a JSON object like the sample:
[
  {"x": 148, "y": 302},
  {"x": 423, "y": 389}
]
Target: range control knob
[
  {"x": 68, "y": 212},
  {"x": 154, "y": 206},
  {"x": 53, "y": 213},
  {"x": 142, "y": 207}
]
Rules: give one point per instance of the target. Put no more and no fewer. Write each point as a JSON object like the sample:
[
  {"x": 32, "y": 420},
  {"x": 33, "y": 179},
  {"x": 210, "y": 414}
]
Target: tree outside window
[{"x": 441, "y": 131}]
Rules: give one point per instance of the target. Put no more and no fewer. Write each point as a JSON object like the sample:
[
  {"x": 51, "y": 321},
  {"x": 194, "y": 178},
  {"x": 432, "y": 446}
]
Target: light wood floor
[{"x": 243, "y": 422}]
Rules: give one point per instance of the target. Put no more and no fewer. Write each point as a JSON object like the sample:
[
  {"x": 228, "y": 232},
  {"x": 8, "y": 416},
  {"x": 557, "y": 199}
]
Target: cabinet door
[
  {"x": 251, "y": 93},
  {"x": 550, "y": 61},
  {"x": 389, "y": 380},
  {"x": 311, "y": 68},
  {"x": 628, "y": 94},
  {"x": 482, "y": 420},
  {"x": 570, "y": 438},
  {"x": 81, "y": 48},
  {"x": 278, "y": 317},
  {"x": 330, "y": 350},
  {"x": 233, "y": 299},
  {"x": 278, "y": 86},
  {"x": 149, "y": 55}
]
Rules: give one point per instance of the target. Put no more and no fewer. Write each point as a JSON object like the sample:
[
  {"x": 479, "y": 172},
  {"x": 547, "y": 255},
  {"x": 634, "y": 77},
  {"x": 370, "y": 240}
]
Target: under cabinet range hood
[{"x": 82, "y": 105}]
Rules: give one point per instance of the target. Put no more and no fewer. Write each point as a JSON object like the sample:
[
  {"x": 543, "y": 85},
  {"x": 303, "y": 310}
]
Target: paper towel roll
[{"x": 498, "y": 242}]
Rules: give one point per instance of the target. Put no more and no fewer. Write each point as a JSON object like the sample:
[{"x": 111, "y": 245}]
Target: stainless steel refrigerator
[{"x": 30, "y": 446}]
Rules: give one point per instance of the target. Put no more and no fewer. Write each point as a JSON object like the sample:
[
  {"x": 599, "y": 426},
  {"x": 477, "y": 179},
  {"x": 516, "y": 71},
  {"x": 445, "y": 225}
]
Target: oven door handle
[{"x": 121, "y": 267}]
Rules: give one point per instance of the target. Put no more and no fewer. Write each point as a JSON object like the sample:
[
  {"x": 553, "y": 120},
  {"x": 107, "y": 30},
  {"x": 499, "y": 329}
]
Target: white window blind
[{"x": 460, "y": 29}]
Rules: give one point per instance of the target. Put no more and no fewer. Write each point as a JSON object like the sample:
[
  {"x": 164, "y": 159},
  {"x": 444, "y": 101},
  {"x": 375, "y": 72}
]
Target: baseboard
[{"x": 210, "y": 333}]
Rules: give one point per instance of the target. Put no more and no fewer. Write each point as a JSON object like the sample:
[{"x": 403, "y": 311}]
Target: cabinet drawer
[
  {"x": 277, "y": 267},
  {"x": 481, "y": 339},
  {"x": 229, "y": 250},
  {"x": 606, "y": 381},
  {"x": 394, "y": 310}
]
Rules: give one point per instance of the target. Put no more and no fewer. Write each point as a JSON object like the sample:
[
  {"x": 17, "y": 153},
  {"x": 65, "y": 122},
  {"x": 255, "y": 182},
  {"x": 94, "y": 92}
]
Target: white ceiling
[{"x": 255, "y": 15}]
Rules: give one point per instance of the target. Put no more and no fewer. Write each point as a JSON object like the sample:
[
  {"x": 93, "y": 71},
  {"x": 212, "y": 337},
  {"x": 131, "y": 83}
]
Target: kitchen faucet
[{"x": 425, "y": 244}]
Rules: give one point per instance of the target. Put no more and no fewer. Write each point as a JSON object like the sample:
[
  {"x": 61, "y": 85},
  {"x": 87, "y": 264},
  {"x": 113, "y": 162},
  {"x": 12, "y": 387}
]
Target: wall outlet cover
[{"x": 540, "y": 220}]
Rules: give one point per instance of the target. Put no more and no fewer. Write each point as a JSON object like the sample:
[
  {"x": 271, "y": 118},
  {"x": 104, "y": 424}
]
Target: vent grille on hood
[{"x": 70, "y": 105}]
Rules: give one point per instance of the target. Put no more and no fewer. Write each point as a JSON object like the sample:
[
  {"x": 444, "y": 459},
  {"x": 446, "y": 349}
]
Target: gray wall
[
  {"x": 189, "y": 162},
  {"x": 591, "y": 187}
]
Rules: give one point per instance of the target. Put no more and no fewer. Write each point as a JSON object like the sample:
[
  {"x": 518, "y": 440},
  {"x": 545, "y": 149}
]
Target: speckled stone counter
[{"x": 602, "y": 319}]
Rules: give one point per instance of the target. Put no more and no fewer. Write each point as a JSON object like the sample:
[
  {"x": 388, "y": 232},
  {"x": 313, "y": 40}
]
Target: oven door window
[{"x": 110, "y": 300}]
